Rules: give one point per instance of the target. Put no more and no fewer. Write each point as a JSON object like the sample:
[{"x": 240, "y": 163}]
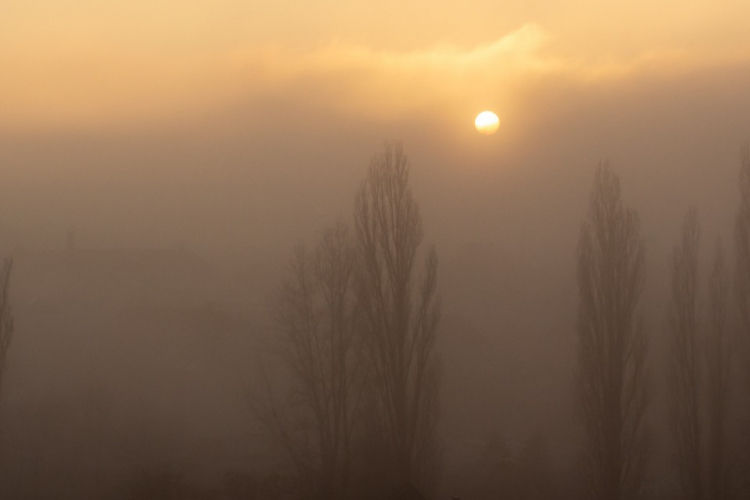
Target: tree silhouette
[
  {"x": 316, "y": 316},
  {"x": 719, "y": 362},
  {"x": 742, "y": 243},
  {"x": 6, "y": 317},
  {"x": 684, "y": 379},
  {"x": 742, "y": 280},
  {"x": 612, "y": 346},
  {"x": 400, "y": 313}
]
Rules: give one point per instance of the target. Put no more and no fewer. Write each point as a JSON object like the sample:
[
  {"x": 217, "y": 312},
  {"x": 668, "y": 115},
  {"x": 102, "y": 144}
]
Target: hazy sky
[
  {"x": 239, "y": 128},
  {"x": 86, "y": 63},
  {"x": 250, "y": 124}
]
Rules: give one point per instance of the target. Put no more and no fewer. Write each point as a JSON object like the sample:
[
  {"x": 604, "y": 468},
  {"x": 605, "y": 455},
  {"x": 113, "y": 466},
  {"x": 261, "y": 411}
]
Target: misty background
[{"x": 145, "y": 257}]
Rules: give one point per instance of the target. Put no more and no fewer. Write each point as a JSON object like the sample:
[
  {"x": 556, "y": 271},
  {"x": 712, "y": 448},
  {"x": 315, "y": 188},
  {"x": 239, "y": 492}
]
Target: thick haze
[
  {"x": 230, "y": 123},
  {"x": 140, "y": 65},
  {"x": 235, "y": 129}
]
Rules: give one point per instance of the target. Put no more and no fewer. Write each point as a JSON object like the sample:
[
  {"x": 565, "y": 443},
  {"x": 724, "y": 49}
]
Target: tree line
[
  {"x": 358, "y": 328},
  {"x": 707, "y": 362},
  {"x": 356, "y": 321}
]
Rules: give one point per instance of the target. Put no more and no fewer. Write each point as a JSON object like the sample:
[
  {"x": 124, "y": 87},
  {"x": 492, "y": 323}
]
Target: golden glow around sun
[{"x": 487, "y": 122}]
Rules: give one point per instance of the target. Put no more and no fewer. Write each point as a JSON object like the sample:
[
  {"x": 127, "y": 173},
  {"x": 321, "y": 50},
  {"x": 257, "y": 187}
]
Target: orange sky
[{"x": 137, "y": 63}]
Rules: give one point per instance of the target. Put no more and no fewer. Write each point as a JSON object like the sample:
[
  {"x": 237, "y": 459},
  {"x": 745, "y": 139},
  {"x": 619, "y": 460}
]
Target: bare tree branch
[
  {"x": 612, "y": 346},
  {"x": 684, "y": 375},
  {"x": 719, "y": 360},
  {"x": 6, "y": 316},
  {"x": 401, "y": 316},
  {"x": 317, "y": 318}
]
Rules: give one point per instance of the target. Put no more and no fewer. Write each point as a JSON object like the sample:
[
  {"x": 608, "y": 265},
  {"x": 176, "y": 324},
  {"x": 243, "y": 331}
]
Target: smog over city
[{"x": 374, "y": 250}]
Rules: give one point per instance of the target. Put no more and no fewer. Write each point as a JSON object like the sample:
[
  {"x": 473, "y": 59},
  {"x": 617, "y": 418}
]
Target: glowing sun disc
[{"x": 487, "y": 122}]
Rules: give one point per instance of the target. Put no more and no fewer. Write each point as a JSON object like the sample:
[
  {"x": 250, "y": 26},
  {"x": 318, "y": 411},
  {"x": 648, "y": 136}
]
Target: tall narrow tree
[
  {"x": 401, "y": 316},
  {"x": 612, "y": 346},
  {"x": 684, "y": 375},
  {"x": 719, "y": 359},
  {"x": 6, "y": 316},
  {"x": 316, "y": 316},
  {"x": 742, "y": 283},
  {"x": 742, "y": 249}
]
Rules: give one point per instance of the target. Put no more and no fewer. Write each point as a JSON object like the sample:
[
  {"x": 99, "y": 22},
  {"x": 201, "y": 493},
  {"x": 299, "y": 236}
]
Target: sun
[{"x": 487, "y": 122}]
